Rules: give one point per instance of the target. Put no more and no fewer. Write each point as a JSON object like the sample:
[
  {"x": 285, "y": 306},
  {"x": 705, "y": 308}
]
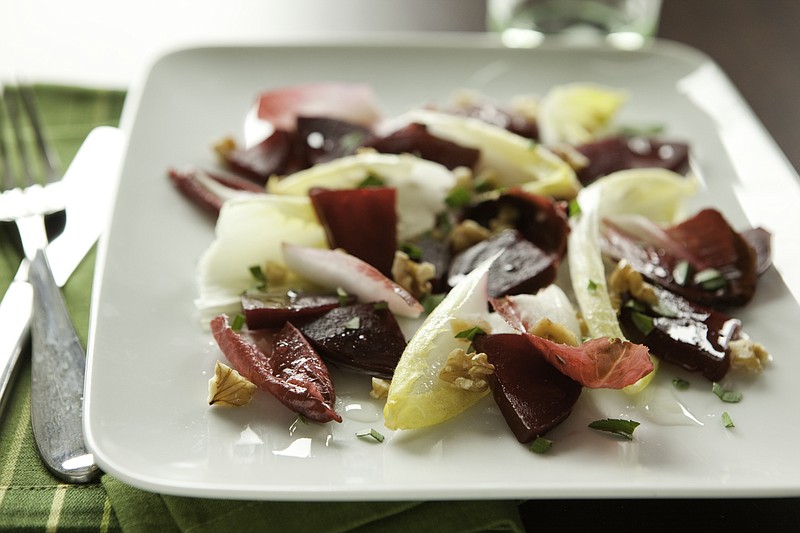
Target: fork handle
[{"x": 58, "y": 367}]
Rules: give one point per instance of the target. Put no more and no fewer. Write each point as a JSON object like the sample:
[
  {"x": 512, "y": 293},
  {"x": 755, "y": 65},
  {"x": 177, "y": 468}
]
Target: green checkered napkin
[{"x": 30, "y": 499}]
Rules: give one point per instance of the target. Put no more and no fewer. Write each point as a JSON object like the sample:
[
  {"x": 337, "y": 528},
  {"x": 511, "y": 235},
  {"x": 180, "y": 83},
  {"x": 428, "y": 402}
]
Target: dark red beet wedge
[
  {"x": 539, "y": 219},
  {"x": 325, "y": 139},
  {"x": 415, "y": 139},
  {"x": 718, "y": 267},
  {"x": 620, "y": 153},
  {"x": 761, "y": 242},
  {"x": 436, "y": 251},
  {"x": 363, "y": 338},
  {"x": 522, "y": 267},
  {"x": 361, "y": 221},
  {"x": 489, "y": 112},
  {"x": 189, "y": 182},
  {"x": 533, "y": 396},
  {"x": 272, "y": 310},
  {"x": 690, "y": 335},
  {"x": 278, "y": 154}
]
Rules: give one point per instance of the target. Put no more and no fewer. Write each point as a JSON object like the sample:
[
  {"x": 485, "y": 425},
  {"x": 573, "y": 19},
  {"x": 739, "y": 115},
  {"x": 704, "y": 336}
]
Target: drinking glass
[{"x": 624, "y": 23}]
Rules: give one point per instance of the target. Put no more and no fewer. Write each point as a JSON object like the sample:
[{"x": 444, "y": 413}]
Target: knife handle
[
  {"x": 15, "y": 316},
  {"x": 58, "y": 367}
]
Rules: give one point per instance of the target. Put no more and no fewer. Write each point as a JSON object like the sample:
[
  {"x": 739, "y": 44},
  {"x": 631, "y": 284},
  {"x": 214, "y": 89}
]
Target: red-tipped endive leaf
[
  {"x": 523, "y": 311},
  {"x": 335, "y": 269},
  {"x": 283, "y": 364},
  {"x": 344, "y": 101},
  {"x": 600, "y": 363}
]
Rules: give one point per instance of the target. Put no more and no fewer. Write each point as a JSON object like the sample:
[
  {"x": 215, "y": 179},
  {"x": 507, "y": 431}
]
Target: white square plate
[{"x": 147, "y": 420}]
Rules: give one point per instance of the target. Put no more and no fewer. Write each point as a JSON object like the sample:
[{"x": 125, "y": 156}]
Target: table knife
[{"x": 89, "y": 183}]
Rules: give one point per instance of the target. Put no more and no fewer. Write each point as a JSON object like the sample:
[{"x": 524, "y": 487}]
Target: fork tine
[
  {"x": 48, "y": 155},
  {"x": 12, "y": 111},
  {"x": 7, "y": 181}
]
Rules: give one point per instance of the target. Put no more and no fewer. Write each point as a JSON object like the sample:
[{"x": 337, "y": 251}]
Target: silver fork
[{"x": 58, "y": 359}]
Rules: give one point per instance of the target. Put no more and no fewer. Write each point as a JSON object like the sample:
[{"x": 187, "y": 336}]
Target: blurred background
[{"x": 107, "y": 43}]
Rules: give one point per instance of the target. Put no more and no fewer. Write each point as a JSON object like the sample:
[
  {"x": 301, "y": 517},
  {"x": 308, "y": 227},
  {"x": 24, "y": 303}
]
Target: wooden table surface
[{"x": 756, "y": 43}]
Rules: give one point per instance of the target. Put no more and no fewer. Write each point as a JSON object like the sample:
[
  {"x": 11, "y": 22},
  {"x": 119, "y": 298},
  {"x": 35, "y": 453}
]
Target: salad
[{"x": 530, "y": 250}]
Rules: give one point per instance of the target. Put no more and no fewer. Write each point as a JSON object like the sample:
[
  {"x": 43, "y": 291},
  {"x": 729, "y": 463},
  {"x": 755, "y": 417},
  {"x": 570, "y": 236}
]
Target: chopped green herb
[
  {"x": 458, "y": 197},
  {"x": 371, "y": 181},
  {"x": 664, "y": 310},
  {"x": 444, "y": 222},
  {"x": 636, "y": 305},
  {"x": 259, "y": 276},
  {"x": 301, "y": 419},
  {"x": 680, "y": 384},
  {"x": 370, "y": 433},
  {"x": 343, "y": 296},
  {"x": 541, "y": 445},
  {"x": 681, "y": 272},
  {"x": 592, "y": 285},
  {"x": 645, "y": 130},
  {"x": 726, "y": 420},
  {"x": 574, "y": 208},
  {"x": 643, "y": 323},
  {"x": 238, "y": 322},
  {"x": 470, "y": 333},
  {"x": 710, "y": 279},
  {"x": 411, "y": 250},
  {"x": 353, "y": 323},
  {"x": 617, "y": 426},
  {"x": 725, "y": 395},
  {"x": 430, "y": 301},
  {"x": 380, "y": 306},
  {"x": 351, "y": 141},
  {"x": 483, "y": 185}
]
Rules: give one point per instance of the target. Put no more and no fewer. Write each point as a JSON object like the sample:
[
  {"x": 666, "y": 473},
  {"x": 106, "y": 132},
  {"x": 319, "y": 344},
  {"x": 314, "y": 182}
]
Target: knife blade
[{"x": 88, "y": 187}]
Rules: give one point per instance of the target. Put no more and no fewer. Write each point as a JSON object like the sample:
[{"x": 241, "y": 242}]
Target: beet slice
[
  {"x": 704, "y": 243},
  {"x": 620, "y": 153},
  {"x": 362, "y": 338},
  {"x": 415, "y": 139},
  {"x": 540, "y": 219},
  {"x": 491, "y": 113},
  {"x": 533, "y": 396},
  {"x": 272, "y": 310},
  {"x": 324, "y": 139},
  {"x": 188, "y": 181},
  {"x": 522, "y": 267},
  {"x": 436, "y": 251},
  {"x": 760, "y": 240},
  {"x": 283, "y": 364},
  {"x": 361, "y": 221},
  {"x": 189, "y": 185},
  {"x": 278, "y": 154},
  {"x": 684, "y": 333}
]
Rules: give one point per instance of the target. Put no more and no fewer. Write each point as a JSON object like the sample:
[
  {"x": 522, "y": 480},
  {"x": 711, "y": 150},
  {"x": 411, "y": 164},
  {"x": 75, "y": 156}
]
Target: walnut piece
[
  {"x": 276, "y": 273},
  {"x": 571, "y": 155},
  {"x": 380, "y": 388},
  {"x": 412, "y": 276},
  {"x": 553, "y": 331},
  {"x": 467, "y": 233},
  {"x": 228, "y": 388},
  {"x": 748, "y": 355},
  {"x": 624, "y": 279},
  {"x": 225, "y": 146},
  {"x": 467, "y": 371}
]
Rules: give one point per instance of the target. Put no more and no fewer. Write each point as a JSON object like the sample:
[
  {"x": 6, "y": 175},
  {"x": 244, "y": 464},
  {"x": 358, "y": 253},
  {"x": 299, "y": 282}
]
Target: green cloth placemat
[{"x": 31, "y": 499}]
